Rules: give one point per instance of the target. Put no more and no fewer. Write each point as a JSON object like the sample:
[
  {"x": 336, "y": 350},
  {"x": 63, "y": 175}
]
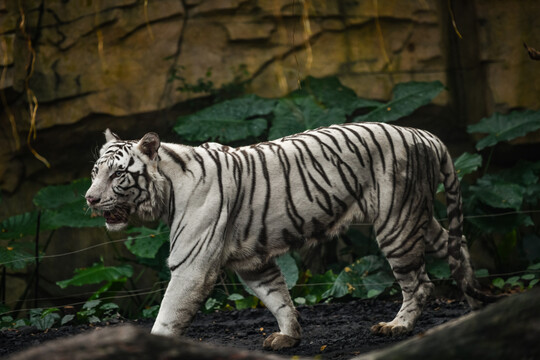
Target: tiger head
[{"x": 126, "y": 181}]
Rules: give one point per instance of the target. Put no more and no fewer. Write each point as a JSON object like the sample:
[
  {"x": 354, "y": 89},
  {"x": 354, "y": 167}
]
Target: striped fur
[{"x": 241, "y": 207}]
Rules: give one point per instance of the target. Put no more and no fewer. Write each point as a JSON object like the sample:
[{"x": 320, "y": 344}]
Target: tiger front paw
[
  {"x": 389, "y": 329},
  {"x": 278, "y": 341}
]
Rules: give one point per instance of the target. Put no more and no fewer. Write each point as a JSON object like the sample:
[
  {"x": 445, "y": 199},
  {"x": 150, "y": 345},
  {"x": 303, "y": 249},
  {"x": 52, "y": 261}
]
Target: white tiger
[{"x": 239, "y": 208}]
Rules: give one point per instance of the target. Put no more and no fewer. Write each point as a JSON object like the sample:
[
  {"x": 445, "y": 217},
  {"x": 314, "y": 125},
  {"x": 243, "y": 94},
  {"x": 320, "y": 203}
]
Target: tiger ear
[
  {"x": 110, "y": 136},
  {"x": 149, "y": 145}
]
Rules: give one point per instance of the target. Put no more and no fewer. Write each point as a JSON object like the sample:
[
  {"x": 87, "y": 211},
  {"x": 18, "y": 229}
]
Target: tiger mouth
[{"x": 118, "y": 215}]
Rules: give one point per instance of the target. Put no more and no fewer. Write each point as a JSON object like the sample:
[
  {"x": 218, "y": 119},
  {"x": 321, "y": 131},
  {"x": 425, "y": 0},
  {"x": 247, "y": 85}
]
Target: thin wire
[
  {"x": 164, "y": 232},
  {"x": 147, "y": 291},
  {"x": 83, "y": 249}
]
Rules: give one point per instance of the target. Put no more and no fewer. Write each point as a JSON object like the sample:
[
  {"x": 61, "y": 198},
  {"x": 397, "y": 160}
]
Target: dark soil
[{"x": 333, "y": 331}]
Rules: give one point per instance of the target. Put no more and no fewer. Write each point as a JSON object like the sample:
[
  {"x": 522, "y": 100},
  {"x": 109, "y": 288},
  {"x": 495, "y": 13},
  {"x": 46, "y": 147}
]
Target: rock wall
[{"x": 86, "y": 65}]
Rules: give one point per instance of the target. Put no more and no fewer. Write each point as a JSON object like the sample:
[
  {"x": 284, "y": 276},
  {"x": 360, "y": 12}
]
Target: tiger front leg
[
  {"x": 185, "y": 293},
  {"x": 269, "y": 286}
]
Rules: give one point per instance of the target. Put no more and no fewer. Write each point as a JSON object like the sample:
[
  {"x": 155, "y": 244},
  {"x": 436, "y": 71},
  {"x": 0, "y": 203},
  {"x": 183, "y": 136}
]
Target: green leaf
[
  {"x": 93, "y": 319},
  {"x": 109, "y": 306},
  {"x": 57, "y": 196},
  {"x": 407, "y": 98},
  {"x": 18, "y": 226},
  {"x": 501, "y": 224},
  {"x": 501, "y": 127},
  {"x": 66, "y": 319},
  {"x": 481, "y": 273},
  {"x": 357, "y": 279},
  {"x": 91, "y": 304},
  {"x": 300, "y": 300},
  {"x": 438, "y": 268},
  {"x": 332, "y": 94},
  {"x": 46, "y": 322},
  {"x": 65, "y": 205},
  {"x": 467, "y": 163},
  {"x": 212, "y": 304},
  {"x": 235, "y": 297},
  {"x": 376, "y": 283},
  {"x": 227, "y": 121},
  {"x": 248, "y": 303},
  {"x": 498, "y": 283},
  {"x": 289, "y": 269},
  {"x": 320, "y": 284},
  {"x": 15, "y": 257},
  {"x": 295, "y": 115},
  {"x": 150, "y": 312},
  {"x": 492, "y": 192},
  {"x": 96, "y": 274},
  {"x": 524, "y": 174},
  {"x": 75, "y": 215},
  {"x": 528, "y": 277},
  {"x": 146, "y": 242}
]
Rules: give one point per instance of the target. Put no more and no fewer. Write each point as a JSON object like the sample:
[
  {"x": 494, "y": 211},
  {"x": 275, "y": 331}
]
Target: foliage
[
  {"x": 16, "y": 256},
  {"x": 528, "y": 280},
  {"x": 97, "y": 273},
  {"x": 93, "y": 311},
  {"x": 297, "y": 114},
  {"x": 113, "y": 276},
  {"x": 500, "y": 127},
  {"x": 147, "y": 242},
  {"x": 407, "y": 98},
  {"x": 320, "y": 102},
  {"x": 367, "y": 277},
  {"x": 228, "y": 121}
]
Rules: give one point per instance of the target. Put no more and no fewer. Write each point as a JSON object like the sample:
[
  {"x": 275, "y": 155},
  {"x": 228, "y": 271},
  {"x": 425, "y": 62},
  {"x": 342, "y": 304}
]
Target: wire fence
[
  {"x": 42, "y": 257},
  {"x": 152, "y": 290}
]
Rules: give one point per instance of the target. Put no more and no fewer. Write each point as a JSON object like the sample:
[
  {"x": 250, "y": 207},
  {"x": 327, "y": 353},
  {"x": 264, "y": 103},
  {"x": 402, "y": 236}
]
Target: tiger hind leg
[
  {"x": 407, "y": 262},
  {"x": 269, "y": 286},
  {"x": 437, "y": 246}
]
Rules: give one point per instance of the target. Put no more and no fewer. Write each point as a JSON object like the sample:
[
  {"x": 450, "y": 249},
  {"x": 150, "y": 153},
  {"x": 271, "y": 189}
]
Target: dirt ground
[{"x": 331, "y": 331}]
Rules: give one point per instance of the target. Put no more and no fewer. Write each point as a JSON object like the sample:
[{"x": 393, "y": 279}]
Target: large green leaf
[
  {"x": 16, "y": 256},
  {"x": 332, "y": 94},
  {"x": 364, "y": 278},
  {"x": 298, "y": 114},
  {"x": 467, "y": 163},
  {"x": 146, "y": 242},
  {"x": 57, "y": 196},
  {"x": 96, "y": 274},
  {"x": 289, "y": 269},
  {"x": 501, "y": 127},
  {"x": 64, "y": 205},
  {"x": 227, "y": 121},
  {"x": 495, "y": 192},
  {"x": 407, "y": 98},
  {"x": 18, "y": 226},
  {"x": 76, "y": 215}
]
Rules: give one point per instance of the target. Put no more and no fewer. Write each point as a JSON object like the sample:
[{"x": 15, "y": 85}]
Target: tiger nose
[{"x": 92, "y": 200}]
